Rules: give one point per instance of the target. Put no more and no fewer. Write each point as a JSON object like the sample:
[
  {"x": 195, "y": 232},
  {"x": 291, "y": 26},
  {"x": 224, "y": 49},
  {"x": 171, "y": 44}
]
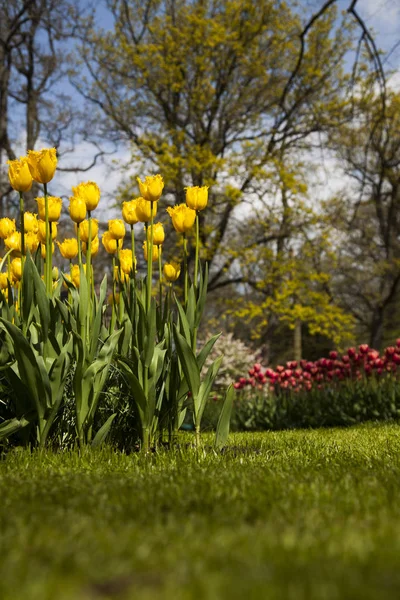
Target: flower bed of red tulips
[{"x": 342, "y": 389}]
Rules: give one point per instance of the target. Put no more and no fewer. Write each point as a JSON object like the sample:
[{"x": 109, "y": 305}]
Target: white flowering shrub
[{"x": 237, "y": 359}]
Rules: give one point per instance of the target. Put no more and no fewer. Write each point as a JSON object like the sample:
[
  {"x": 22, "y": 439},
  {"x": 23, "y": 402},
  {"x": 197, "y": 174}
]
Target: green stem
[
  {"x": 185, "y": 268},
  {"x": 133, "y": 253},
  {"x": 196, "y": 263},
  {"x": 47, "y": 276},
  {"x": 149, "y": 258},
  {"x": 89, "y": 262},
  {"x": 78, "y": 237},
  {"x": 120, "y": 283},
  {"x": 160, "y": 275},
  {"x": 21, "y": 216},
  {"x": 113, "y": 313}
]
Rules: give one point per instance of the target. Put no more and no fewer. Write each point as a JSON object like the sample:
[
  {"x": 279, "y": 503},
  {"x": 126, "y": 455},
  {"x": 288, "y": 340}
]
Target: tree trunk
[
  {"x": 376, "y": 331},
  {"x": 297, "y": 341}
]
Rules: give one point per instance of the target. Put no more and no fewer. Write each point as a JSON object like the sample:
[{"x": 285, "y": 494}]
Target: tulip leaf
[
  {"x": 11, "y": 426},
  {"x": 205, "y": 351},
  {"x": 103, "y": 432},
  {"x": 224, "y": 420},
  {"x": 183, "y": 321},
  {"x": 188, "y": 362}
]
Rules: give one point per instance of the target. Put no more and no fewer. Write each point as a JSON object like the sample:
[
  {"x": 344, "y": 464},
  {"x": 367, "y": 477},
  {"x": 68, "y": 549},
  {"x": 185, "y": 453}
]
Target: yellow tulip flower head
[
  {"x": 110, "y": 244},
  {"x": 89, "y": 192},
  {"x": 13, "y": 241},
  {"x": 42, "y": 231},
  {"x": 54, "y": 208},
  {"x": 42, "y": 164},
  {"x": 68, "y": 248},
  {"x": 126, "y": 260},
  {"x": 197, "y": 197},
  {"x": 129, "y": 212},
  {"x": 16, "y": 268},
  {"x": 158, "y": 234},
  {"x": 94, "y": 247},
  {"x": 155, "y": 252},
  {"x": 84, "y": 229},
  {"x": 43, "y": 249},
  {"x": 3, "y": 281},
  {"x": 120, "y": 275},
  {"x": 151, "y": 189},
  {"x": 7, "y": 227},
  {"x": 116, "y": 227},
  {"x": 172, "y": 271},
  {"x": 30, "y": 222},
  {"x": 19, "y": 174},
  {"x": 143, "y": 210},
  {"x": 77, "y": 209},
  {"x": 182, "y": 217},
  {"x": 31, "y": 241}
]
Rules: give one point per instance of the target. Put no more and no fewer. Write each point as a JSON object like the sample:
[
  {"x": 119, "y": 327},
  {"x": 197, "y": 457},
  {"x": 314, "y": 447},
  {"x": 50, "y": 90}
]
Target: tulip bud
[
  {"x": 19, "y": 174},
  {"x": 151, "y": 189},
  {"x": 7, "y": 227},
  {"x": 197, "y": 197},
  {"x": 155, "y": 252},
  {"x": 172, "y": 271},
  {"x": 42, "y": 164},
  {"x": 68, "y": 248},
  {"x": 116, "y": 227},
  {"x": 129, "y": 212},
  {"x": 84, "y": 229},
  {"x": 54, "y": 206},
  {"x": 42, "y": 231},
  {"x": 158, "y": 234},
  {"x": 77, "y": 209},
  {"x": 89, "y": 192},
  {"x": 182, "y": 217}
]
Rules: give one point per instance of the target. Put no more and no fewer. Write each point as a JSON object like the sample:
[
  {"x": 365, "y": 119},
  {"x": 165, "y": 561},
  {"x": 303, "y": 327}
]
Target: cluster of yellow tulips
[{"x": 40, "y": 230}]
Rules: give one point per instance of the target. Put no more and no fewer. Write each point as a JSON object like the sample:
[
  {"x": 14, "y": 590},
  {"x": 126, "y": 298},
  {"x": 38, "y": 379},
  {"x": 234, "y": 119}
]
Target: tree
[
  {"x": 211, "y": 93},
  {"x": 366, "y": 219},
  {"x": 35, "y": 38}
]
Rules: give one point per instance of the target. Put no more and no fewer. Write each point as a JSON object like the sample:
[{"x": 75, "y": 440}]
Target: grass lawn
[{"x": 299, "y": 515}]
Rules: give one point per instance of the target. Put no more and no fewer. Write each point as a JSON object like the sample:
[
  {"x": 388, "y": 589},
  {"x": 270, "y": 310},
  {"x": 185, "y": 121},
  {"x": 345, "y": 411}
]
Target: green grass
[{"x": 297, "y": 515}]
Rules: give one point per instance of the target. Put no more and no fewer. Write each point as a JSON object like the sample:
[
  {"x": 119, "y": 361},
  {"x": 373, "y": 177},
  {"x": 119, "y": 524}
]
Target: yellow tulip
[
  {"x": 155, "y": 252},
  {"x": 172, "y": 271},
  {"x": 129, "y": 212},
  {"x": 68, "y": 248},
  {"x": 94, "y": 248},
  {"x": 89, "y": 192},
  {"x": 84, "y": 229},
  {"x": 143, "y": 210},
  {"x": 109, "y": 243},
  {"x": 158, "y": 234},
  {"x": 151, "y": 189},
  {"x": 31, "y": 241},
  {"x": 54, "y": 208},
  {"x": 75, "y": 274},
  {"x": 3, "y": 281},
  {"x": 54, "y": 274},
  {"x": 16, "y": 268},
  {"x": 19, "y": 174},
  {"x": 43, "y": 249},
  {"x": 42, "y": 164},
  {"x": 126, "y": 260},
  {"x": 120, "y": 276},
  {"x": 77, "y": 209},
  {"x": 116, "y": 227},
  {"x": 7, "y": 227},
  {"x": 13, "y": 241},
  {"x": 42, "y": 231},
  {"x": 182, "y": 217},
  {"x": 197, "y": 197},
  {"x": 30, "y": 223}
]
